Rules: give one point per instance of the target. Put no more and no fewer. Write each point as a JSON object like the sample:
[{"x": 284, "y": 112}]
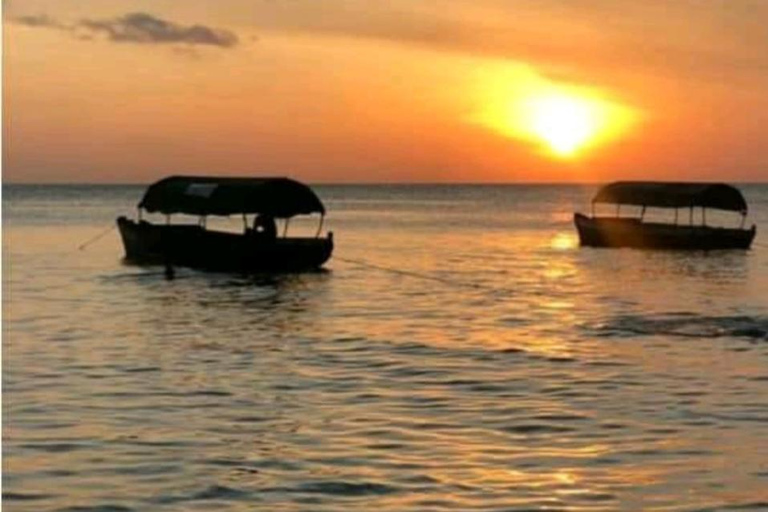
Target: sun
[
  {"x": 565, "y": 124},
  {"x": 563, "y": 121}
]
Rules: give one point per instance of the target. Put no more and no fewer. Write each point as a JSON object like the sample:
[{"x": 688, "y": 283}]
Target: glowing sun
[
  {"x": 565, "y": 121},
  {"x": 564, "y": 124}
]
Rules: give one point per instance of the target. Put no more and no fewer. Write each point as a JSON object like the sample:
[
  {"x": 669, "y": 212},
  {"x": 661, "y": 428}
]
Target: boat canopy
[
  {"x": 208, "y": 195},
  {"x": 673, "y": 195}
]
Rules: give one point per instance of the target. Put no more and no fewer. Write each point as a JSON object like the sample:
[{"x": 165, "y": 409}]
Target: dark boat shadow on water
[
  {"x": 216, "y": 277},
  {"x": 212, "y": 289},
  {"x": 220, "y": 310},
  {"x": 701, "y": 265}
]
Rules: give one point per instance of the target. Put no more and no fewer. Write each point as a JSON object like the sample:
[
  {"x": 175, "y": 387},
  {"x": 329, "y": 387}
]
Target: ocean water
[{"x": 460, "y": 352}]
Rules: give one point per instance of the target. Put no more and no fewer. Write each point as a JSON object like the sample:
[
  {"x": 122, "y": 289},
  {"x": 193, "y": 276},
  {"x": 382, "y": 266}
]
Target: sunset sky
[{"x": 360, "y": 91}]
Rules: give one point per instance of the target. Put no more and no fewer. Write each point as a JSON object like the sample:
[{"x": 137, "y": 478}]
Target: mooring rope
[
  {"x": 97, "y": 237},
  {"x": 417, "y": 275}
]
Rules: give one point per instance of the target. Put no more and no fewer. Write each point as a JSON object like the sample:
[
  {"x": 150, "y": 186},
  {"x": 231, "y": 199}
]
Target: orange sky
[{"x": 359, "y": 91}]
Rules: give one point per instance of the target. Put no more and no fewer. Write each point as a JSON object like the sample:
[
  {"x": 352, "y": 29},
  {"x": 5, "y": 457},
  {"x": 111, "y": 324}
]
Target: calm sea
[{"x": 504, "y": 368}]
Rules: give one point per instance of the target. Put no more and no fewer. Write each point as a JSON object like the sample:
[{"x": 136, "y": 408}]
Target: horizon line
[{"x": 390, "y": 183}]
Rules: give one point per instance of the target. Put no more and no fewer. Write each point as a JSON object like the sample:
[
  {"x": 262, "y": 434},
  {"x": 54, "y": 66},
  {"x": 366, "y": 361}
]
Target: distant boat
[
  {"x": 635, "y": 232},
  {"x": 259, "y": 248}
]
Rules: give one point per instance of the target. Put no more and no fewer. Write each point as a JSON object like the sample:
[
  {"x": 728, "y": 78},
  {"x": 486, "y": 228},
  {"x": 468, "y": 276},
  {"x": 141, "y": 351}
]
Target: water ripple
[
  {"x": 567, "y": 380},
  {"x": 686, "y": 324}
]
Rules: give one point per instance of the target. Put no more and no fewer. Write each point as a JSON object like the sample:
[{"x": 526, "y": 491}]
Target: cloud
[
  {"x": 140, "y": 28},
  {"x": 40, "y": 20}
]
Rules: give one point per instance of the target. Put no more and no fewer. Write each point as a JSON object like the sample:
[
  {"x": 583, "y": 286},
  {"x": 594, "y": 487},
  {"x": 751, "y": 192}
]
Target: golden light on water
[
  {"x": 563, "y": 120},
  {"x": 563, "y": 241}
]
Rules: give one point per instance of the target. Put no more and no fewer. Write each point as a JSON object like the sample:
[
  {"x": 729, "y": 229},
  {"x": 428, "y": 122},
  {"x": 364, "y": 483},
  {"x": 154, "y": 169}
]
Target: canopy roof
[
  {"x": 207, "y": 195},
  {"x": 672, "y": 195}
]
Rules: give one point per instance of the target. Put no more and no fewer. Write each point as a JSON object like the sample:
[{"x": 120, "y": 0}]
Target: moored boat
[
  {"x": 620, "y": 231},
  {"x": 257, "y": 249}
]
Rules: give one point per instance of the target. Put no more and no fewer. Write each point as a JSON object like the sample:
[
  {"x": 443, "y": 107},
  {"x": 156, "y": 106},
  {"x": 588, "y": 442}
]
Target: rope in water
[
  {"x": 410, "y": 273},
  {"x": 97, "y": 237}
]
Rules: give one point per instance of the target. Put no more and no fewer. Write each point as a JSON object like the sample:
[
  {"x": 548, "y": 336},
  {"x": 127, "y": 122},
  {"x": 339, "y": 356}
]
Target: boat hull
[
  {"x": 616, "y": 232},
  {"x": 195, "y": 247}
]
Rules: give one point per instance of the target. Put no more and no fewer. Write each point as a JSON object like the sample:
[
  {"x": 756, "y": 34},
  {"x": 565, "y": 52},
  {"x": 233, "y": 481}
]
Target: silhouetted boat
[
  {"x": 634, "y": 232},
  {"x": 256, "y": 249}
]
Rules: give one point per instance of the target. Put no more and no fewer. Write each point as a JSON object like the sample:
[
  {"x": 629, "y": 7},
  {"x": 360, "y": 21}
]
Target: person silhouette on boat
[{"x": 265, "y": 226}]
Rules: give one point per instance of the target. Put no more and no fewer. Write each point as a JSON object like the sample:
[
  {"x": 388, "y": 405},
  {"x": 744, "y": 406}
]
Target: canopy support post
[
  {"x": 642, "y": 213},
  {"x": 245, "y": 223},
  {"x": 320, "y": 226},
  {"x": 285, "y": 228}
]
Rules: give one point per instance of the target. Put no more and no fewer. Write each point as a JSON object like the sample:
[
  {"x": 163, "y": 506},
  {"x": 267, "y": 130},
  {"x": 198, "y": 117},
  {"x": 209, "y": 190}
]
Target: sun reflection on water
[{"x": 564, "y": 241}]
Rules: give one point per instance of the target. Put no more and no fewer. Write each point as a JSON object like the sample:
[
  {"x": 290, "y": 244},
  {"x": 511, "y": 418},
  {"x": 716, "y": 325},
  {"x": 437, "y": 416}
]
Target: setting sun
[
  {"x": 560, "y": 119},
  {"x": 564, "y": 124}
]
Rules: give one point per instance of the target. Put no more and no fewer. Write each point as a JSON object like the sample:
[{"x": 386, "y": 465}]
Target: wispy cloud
[
  {"x": 140, "y": 28},
  {"x": 40, "y": 20}
]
